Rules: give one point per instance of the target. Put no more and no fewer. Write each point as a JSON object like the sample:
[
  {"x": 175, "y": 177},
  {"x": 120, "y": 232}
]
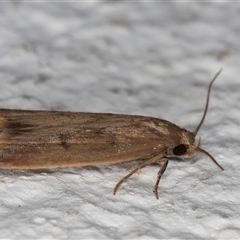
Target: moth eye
[{"x": 180, "y": 150}]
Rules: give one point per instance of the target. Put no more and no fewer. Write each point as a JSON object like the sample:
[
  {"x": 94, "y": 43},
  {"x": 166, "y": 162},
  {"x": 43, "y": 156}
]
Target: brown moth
[{"x": 53, "y": 139}]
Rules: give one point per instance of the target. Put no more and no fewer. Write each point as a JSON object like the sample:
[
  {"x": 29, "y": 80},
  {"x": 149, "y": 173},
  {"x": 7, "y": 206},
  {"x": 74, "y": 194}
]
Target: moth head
[
  {"x": 186, "y": 147},
  {"x": 181, "y": 151},
  {"x": 185, "y": 151}
]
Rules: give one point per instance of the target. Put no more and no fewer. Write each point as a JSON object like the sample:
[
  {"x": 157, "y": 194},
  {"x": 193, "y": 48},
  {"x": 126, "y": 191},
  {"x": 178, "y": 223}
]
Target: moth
[{"x": 55, "y": 139}]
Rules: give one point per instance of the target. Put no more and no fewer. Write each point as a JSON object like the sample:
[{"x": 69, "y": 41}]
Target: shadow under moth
[{"x": 54, "y": 139}]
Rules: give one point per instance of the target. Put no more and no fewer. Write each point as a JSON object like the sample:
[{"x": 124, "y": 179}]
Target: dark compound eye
[{"x": 180, "y": 150}]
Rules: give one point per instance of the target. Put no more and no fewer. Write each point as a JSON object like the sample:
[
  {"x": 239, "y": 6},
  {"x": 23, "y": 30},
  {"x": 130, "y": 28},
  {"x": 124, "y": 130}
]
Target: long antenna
[
  {"x": 209, "y": 155},
  {"x": 207, "y": 102}
]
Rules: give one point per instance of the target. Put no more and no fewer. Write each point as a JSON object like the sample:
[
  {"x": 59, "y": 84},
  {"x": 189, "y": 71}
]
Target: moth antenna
[
  {"x": 209, "y": 155},
  {"x": 207, "y": 102}
]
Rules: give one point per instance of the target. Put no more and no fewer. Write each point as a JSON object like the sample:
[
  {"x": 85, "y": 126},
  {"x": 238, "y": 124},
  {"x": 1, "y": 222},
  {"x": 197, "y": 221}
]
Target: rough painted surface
[{"x": 136, "y": 58}]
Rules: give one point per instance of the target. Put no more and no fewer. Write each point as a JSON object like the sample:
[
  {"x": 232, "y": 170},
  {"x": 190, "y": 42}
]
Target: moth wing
[{"x": 42, "y": 139}]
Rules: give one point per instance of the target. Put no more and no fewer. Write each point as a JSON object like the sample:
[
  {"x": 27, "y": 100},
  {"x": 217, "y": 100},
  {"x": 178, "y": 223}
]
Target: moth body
[{"x": 53, "y": 139}]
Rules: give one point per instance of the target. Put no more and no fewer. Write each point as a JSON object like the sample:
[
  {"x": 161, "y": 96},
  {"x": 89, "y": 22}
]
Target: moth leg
[
  {"x": 133, "y": 167},
  {"x": 160, "y": 173},
  {"x": 139, "y": 167}
]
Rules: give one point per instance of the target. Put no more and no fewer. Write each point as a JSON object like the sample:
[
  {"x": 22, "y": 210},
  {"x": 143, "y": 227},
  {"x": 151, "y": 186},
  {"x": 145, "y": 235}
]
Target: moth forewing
[
  {"x": 41, "y": 139},
  {"x": 52, "y": 139}
]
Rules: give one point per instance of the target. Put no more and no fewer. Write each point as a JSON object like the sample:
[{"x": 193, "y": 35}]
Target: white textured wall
[{"x": 137, "y": 58}]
